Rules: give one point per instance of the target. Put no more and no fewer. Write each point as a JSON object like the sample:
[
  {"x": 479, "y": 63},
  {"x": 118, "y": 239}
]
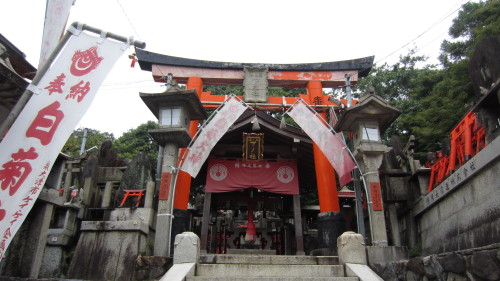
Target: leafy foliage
[
  {"x": 475, "y": 21},
  {"x": 434, "y": 100},
  {"x": 403, "y": 85},
  {"x": 135, "y": 140},
  {"x": 94, "y": 138},
  {"x": 240, "y": 90}
]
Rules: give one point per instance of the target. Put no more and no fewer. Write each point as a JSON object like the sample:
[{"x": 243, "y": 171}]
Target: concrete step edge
[
  {"x": 269, "y": 259},
  {"x": 263, "y": 270},
  {"x": 214, "y": 278}
]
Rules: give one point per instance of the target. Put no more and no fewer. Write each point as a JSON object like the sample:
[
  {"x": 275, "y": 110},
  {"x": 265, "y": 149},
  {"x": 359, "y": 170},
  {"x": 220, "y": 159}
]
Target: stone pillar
[
  {"x": 88, "y": 184},
  {"x": 393, "y": 218},
  {"x": 297, "y": 217},
  {"x": 370, "y": 163},
  {"x": 41, "y": 223},
  {"x": 163, "y": 220},
  {"x": 205, "y": 221},
  {"x": 106, "y": 198},
  {"x": 68, "y": 179},
  {"x": 150, "y": 190}
]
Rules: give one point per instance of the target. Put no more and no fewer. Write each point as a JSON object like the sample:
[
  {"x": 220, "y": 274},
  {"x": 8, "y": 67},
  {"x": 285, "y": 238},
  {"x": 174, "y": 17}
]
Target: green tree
[
  {"x": 434, "y": 100},
  {"x": 403, "y": 85},
  {"x": 240, "y": 90},
  {"x": 475, "y": 21},
  {"x": 452, "y": 97},
  {"x": 94, "y": 138},
  {"x": 135, "y": 140}
]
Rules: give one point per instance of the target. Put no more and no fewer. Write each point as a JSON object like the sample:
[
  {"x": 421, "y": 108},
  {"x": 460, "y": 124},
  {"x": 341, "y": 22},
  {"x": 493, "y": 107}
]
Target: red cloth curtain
[{"x": 230, "y": 175}]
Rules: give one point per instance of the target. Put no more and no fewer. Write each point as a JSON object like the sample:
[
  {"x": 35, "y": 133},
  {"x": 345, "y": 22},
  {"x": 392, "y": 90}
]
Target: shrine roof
[
  {"x": 18, "y": 59},
  {"x": 147, "y": 59}
]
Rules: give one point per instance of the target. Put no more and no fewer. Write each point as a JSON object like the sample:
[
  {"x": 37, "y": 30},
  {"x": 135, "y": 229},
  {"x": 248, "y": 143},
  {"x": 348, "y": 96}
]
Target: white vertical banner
[
  {"x": 34, "y": 141},
  {"x": 331, "y": 146},
  {"x": 56, "y": 16},
  {"x": 347, "y": 177},
  {"x": 210, "y": 134}
]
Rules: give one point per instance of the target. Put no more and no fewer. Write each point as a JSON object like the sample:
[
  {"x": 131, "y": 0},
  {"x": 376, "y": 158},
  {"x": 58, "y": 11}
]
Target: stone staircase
[{"x": 268, "y": 267}]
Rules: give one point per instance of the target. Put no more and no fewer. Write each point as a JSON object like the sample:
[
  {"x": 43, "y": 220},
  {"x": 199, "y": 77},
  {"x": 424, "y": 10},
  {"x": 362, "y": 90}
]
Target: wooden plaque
[{"x": 253, "y": 146}]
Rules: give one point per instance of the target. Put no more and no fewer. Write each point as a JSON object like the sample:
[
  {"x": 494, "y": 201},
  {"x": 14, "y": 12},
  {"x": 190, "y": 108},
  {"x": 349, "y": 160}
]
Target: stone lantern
[
  {"x": 367, "y": 120},
  {"x": 174, "y": 109}
]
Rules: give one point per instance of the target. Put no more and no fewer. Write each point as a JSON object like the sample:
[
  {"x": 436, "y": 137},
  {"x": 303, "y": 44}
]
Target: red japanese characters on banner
[
  {"x": 15, "y": 171},
  {"x": 211, "y": 134},
  {"x": 230, "y": 175},
  {"x": 34, "y": 141},
  {"x": 45, "y": 124}
]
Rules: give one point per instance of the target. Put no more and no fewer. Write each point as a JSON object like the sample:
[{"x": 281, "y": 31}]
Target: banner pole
[{"x": 25, "y": 97}]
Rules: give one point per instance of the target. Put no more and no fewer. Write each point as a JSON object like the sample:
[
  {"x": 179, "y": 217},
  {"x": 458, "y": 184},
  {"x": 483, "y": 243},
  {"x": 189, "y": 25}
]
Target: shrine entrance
[
  {"x": 251, "y": 220},
  {"x": 256, "y": 174},
  {"x": 222, "y": 223}
]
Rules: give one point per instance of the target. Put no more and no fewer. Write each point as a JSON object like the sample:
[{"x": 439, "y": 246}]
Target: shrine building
[{"x": 252, "y": 152}]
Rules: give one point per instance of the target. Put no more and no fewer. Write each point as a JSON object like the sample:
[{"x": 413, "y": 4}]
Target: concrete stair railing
[
  {"x": 189, "y": 265},
  {"x": 269, "y": 267}
]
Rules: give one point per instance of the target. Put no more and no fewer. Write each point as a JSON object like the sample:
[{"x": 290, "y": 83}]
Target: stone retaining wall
[{"x": 475, "y": 265}]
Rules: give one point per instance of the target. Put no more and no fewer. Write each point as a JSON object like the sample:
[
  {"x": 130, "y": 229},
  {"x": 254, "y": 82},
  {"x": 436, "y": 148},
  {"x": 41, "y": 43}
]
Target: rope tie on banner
[
  {"x": 76, "y": 31},
  {"x": 34, "y": 89},
  {"x": 130, "y": 41},
  {"x": 102, "y": 37}
]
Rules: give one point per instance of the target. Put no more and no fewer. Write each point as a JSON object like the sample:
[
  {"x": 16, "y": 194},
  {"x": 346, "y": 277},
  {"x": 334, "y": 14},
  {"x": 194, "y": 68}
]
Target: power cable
[
  {"x": 427, "y": 30},
  {"x": 128, "y": 19}
]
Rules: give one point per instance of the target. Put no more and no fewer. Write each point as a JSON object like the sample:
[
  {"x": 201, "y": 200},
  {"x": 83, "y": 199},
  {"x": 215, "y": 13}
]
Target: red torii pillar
[
  {"x": 325, "y": 174},
  {"x": 183, "y": 185},
  {"x": 330, "y": 221}
]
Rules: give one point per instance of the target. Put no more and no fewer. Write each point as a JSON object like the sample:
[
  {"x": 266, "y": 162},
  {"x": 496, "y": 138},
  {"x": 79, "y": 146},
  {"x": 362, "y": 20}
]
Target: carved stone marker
[
  {"x": 186, "y": 248},
  {"x": 255, "y": 84},
  {"x": 351, "y": 248}
]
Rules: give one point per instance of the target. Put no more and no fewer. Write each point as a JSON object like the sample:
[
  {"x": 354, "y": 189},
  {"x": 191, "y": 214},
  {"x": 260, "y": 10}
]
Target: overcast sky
[{"x": 271, "y": 31}]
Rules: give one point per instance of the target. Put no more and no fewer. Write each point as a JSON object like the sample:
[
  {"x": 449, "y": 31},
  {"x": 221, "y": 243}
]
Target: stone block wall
[
  {"x": 107, "y": 255},
  {"x": 475, "y": 264},
  {"x": 468, "y": 217}
]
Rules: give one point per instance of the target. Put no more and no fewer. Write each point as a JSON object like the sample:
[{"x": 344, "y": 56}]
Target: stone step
[
  {"x": 266, "y": 270},
  {"x": 273, "y": 259},
  {"x": 204, "y": 278},
  {"x": 250, "y": 252}
]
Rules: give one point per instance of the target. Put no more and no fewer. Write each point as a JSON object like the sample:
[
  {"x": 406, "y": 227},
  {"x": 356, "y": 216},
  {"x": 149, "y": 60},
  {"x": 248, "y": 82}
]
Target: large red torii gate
[{"x": 312, "y": 76}]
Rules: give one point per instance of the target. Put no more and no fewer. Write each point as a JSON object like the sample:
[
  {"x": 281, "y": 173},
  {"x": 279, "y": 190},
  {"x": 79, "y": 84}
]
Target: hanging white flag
[
  {"x": 346, "y": 178},
  {"x": 331, "y": 146},
  {"x": 60, "y": 99},
  {"x": 210, "y": 134},
  {"x": 56, "y": 17}
]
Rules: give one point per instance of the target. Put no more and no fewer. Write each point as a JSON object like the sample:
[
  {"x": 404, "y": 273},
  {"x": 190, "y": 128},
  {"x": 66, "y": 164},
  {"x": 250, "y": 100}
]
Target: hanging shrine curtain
[{"x": 230, "y": 175}]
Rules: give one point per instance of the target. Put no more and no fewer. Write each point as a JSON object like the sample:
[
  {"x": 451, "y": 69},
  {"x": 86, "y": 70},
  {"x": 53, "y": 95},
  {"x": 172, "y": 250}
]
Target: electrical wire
[
  {"x": 445, "y": 16},
  {"x": 427, "y": 30},
  {"x": 128, "y": 19}
]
